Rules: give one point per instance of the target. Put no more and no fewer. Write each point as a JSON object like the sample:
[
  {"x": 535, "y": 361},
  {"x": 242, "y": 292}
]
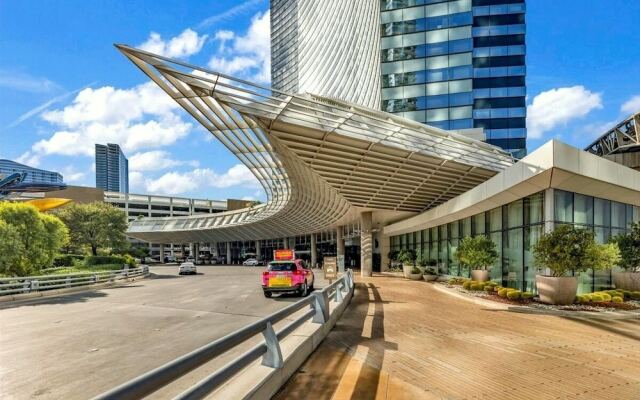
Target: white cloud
[
  {"x": 154, "y": 161},
  {"x": 230, "y": 13},
  {"x": 26, "y": 83},
  {"x": 137, "y": 118},
  {"x": 556, "y": 107},
  {"x": 631, "y": 106},
  {"x": 249, "y": 55},
  {"x": 72, "y": 175},
  {"x": 184, "y": 45},
  {"x": 182, "y": 182},
  {"x": 28, "y": 158}
]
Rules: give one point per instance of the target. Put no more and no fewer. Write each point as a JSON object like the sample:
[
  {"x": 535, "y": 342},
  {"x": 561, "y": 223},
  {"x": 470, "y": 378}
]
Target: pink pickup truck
[{"x": 287, "y": 276}]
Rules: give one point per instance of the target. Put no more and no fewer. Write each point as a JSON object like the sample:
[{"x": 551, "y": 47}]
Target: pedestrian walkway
[{"x": 403, "y": 339}]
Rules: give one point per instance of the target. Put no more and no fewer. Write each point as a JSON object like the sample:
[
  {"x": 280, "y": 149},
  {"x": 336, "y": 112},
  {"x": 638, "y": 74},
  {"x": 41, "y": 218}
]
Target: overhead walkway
[{"x": 403, "y": 339}]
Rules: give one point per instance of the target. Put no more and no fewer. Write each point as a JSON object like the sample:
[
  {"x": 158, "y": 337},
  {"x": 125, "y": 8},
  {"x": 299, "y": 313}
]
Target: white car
[
  {"x": 252, "y": 262},
  {"x": 187, "y": 268}
]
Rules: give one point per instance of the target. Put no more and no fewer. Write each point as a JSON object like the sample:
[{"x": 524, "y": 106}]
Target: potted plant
[
  {"x": 568, "y": 249},
  {"x": 431, "y": 272},
  {"x": 421, "y": 261},
  {"x": 479, "y": 253},
  {"x": 393, "y": 259},
  {"x": 629, "y": 245},
  {"x": 407, "y": 258},
  {"x": 415, "y": 274}
]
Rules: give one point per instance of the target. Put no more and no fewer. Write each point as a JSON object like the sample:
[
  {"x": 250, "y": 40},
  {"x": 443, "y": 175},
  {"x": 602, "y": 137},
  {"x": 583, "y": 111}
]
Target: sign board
[
  {"x": 330, "y": 268},
  {"x": 340, "y": 263},
  {"x": 283, "y": 255}
]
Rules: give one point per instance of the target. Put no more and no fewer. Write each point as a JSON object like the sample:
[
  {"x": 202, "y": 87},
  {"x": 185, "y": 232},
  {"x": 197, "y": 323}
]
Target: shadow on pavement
[
  {"x": 59, "y": 299},
  {"x": 629, "y": 328}
]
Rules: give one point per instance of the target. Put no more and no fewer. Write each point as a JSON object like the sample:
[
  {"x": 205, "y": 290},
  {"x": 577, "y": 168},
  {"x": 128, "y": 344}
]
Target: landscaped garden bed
[{"x": 602, "y": 301}]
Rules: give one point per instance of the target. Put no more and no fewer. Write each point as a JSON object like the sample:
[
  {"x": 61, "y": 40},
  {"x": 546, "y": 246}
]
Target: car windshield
[{"x": 282, "y": 266}]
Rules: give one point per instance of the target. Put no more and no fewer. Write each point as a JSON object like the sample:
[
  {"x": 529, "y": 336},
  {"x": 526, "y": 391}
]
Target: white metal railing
[
  {"x": 30, "y": 284},
  {"x": 319, "y": 312}
]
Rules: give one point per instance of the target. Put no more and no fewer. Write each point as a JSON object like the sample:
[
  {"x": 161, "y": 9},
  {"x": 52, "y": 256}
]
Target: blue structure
[
  {"x": 17, "y": 183},
  {"x": 457, "y": 65},
  {"x": 112, "y": 168}
]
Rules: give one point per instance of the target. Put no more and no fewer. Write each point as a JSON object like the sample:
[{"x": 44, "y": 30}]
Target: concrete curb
[
  {"x": 530, "y": 310},
  {"x": 16, "y": 298},
  {"x": 259, "y": 382}
]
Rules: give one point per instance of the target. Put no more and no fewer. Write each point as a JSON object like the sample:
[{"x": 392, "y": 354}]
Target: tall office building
[
  {"x": 327, "y": 47},
  {"x": 34, "y": 175},
  {"x": 112, "y": 168},
  {"x": 456, "y": 64}
]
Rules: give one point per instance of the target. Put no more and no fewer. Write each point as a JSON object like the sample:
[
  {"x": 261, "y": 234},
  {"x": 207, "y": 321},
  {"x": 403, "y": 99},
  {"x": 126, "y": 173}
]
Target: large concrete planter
[
  {"x": 415, "y": 277},
  {"x": 480, "y": 275},
  {"x": 557, "y": 290},
  {"x": 406, "y": 270},
  {"x": 627, "y": 281},
  {"x": 429, "y": 277}
]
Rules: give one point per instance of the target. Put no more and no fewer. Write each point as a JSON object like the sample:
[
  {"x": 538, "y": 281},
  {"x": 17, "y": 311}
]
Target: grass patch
[{"x": 81, "y": 269}]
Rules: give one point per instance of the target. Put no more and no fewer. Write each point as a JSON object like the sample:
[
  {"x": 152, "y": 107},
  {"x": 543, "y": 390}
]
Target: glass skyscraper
[
  {"x": 457, "y": 65},
  {"x": 112, "y": 168},
  {"x": 34, "y": 175}
]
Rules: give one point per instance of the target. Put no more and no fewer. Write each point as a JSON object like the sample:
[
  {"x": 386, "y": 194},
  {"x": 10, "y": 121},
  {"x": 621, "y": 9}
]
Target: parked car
[
  {"x": 187, "y": 268},
  {"x": 287, "y": 276},
  {"x": 251, "y": 262},
  {"x": 190, "y": 259},
  {"x": 170, "y": 259}
]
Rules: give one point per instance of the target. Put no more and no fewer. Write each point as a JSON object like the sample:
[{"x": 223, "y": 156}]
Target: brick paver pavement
[{"x": 403, "y": 339}]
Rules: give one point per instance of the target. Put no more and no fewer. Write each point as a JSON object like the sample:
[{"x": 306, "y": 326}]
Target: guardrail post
[
  {"x": 68, "y": 281},
  {"x": 273, "y": 357},
  {"x": 95, "y": 278},
  {"x": 34, "y": 286},
  {"x": 112, "y": 277},
  {"x": 321, "y": 306},
  {"x": 339, "y": 292},
  {"x": 26, "y": 286}
]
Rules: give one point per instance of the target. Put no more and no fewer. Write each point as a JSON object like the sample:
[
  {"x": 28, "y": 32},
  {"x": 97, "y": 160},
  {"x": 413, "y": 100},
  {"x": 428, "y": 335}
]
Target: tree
[
  {"x": 570, "y": 249},
  {"x": 30, "y": 239},
  {"x": 629, "y": 244},
  {"x": 96, "y": 225},
  {"x": 477, "y": 252}
]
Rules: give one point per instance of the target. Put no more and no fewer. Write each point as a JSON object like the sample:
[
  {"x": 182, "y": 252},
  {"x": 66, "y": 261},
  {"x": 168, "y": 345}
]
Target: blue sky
[{"x": 63, "y": 86}]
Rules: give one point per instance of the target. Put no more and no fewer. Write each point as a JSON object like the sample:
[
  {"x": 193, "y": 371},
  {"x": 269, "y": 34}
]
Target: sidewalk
[{"x": 403, "y": 339}]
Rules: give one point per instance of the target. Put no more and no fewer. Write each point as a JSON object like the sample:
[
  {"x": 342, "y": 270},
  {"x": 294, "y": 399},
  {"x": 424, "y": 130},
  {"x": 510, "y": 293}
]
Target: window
[{"x": 582, "y": 209}]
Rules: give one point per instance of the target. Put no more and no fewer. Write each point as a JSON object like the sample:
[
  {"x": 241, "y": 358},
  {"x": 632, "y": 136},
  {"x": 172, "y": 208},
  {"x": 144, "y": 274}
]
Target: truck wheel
[{"x": 267, "y": 294}]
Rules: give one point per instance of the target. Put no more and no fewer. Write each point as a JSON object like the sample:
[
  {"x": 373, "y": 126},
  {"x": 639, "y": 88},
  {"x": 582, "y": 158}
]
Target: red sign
[{"x": 283, "y": 255}]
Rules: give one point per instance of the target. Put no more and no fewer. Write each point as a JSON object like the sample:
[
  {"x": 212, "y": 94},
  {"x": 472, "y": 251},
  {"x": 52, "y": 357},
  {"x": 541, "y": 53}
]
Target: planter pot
[
  {"x": 406, "y": 270},
  {"x": 429, "y": 278},
  {"x": 557, "y": 290},
  {"x": 415, "y": 277},
  {"x": 627, "y": 281},
  {"x": 480, "y": 275}
]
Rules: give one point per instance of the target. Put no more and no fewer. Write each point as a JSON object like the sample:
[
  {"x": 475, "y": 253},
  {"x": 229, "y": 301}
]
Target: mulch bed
[{"x": 629, "y": 305}]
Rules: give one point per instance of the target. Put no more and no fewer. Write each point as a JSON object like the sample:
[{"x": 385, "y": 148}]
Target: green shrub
[
  {"x": 617, "y": 299},
  {"x": 476, "y": 286},
  {"x": 129, "y": 260},
  {"x": 99, "y": 260},
  {"x": 416, "y": 270},
  {"x": 597, "y": 298},
  {"x": 488, "y": 289},
  {"x": 635, "y": 295},
  {"x": 503, "y": 292},
  {"x": 497, "y": 288},
  {"x": 66, "y": 260},
  {"x": 514, "y": 294},
  {"x": 606, "y": 297},
  {"x": 526, "y": 295},
  {"x": 467, "y": 284},
  {"x": 457, "y": 281},
  {"x": 627, "y": 294}
]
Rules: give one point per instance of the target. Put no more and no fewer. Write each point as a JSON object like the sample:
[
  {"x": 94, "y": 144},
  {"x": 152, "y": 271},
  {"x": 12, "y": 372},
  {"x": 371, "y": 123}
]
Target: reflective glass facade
[
  {"x": 457, "y": 65},
  {"x": 112, "y": 168},
  {"x": 34, "y": 175},
  {"x": 515, "y": 228}
]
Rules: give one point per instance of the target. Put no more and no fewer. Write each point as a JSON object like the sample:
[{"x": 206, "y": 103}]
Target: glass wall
[{"x": 515, "y": 228}]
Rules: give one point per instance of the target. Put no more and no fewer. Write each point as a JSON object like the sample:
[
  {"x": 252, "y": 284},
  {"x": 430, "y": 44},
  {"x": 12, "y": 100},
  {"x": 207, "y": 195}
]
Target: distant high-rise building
[
  {"x": 112, "y": 168},
  {"x": 34, "y": 175}
]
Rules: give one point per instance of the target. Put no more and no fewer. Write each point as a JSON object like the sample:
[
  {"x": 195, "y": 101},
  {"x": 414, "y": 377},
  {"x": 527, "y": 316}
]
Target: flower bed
[{"x": 594, "y": 302}]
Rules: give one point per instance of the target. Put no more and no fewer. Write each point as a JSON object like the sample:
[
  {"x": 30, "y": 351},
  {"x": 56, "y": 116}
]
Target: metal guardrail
[
  {"x": 319, "y": 312},
  {"x": 30, "y": 284}
]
